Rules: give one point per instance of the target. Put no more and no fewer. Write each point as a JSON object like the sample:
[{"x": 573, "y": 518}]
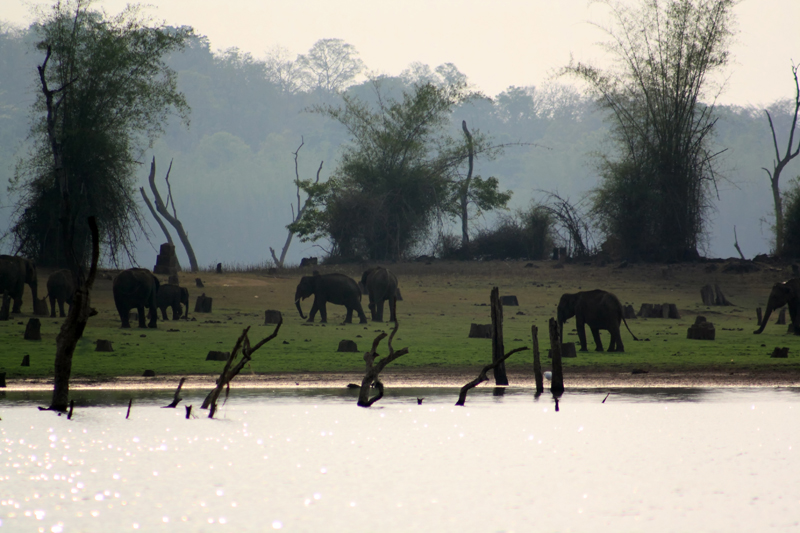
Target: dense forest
[{"x": 233, "y": 167}]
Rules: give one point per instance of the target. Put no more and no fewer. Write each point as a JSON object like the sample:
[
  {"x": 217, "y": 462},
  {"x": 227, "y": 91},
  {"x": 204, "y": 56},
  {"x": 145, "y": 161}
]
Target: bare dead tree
[
  {"x": 161, "y": 207},
  {"x": 575, "y": 230},
  {"x": 176, "y": 399},
  {"x": 780, "y": 163},
  {"x": 153, "y": 212},
  {"x": 301, "y": 207},
  {"x": 462, "y": 396},
  {"x": 374, "y": 368},
  {"x": 229, "y": 372},
  {"x": 464, "y": 193}
]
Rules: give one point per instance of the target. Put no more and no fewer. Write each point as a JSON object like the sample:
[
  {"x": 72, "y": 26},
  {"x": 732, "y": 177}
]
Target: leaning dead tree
[
  {"x": 462, "y": 396},
  {"x": 780, "y": 163},
  {"x": 172, "y": 218},
  {"x": 575, "y": 229},
  {"x": 301, "y": 206},
  {"x": 375, "y": 367},
  {"x": 230, "y": 371}
]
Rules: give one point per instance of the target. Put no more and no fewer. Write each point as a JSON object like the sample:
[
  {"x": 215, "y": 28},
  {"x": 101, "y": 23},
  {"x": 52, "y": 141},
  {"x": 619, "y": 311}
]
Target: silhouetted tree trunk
[{"x": 500, "y": 377}]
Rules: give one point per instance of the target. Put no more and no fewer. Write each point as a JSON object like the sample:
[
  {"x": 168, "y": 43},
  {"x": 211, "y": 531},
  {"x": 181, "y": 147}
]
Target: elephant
[
  {"x": 173, "y": 296},
  {"x": 15, "y": 272},
  {"x": 335, "y": 288},
  {"x": 136, "y": 287},
  {"x": 783, "y": 293},
  {"x": 60, "y": 288},
  {"x": 600, "y": 310},
  {"x": 381, "y": 285}
]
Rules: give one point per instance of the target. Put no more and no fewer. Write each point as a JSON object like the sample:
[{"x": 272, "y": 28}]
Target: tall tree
[
  {"x": 393, "y": 176},
  {"x": 780, "y": 163},
  {"x": 106, "y": 94},
  {"x": 656, "y": 190},
  {"x": 331, "y": 65}
]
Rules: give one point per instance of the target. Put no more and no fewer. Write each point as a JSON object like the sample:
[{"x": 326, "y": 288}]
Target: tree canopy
[
  {"x": 655, "y": 191},
  {"x": 105, "y": 96}
]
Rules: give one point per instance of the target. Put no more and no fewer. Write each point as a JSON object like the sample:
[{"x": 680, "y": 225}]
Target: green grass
[{"x": 440, "y": 302}]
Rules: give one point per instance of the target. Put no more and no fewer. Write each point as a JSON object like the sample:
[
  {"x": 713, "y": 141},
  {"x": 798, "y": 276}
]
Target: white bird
[{"x": 548, "y": 375}]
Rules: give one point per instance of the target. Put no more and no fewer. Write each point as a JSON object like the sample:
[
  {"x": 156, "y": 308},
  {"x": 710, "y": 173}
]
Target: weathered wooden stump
[
  {"x": 215, "y": 355},
  {"x": 780, "y": 353},
  {"x": 713, "y": 296},
  {"x": 347, "y": 346},
  {"x": 271, "y": 316},
  {"x": 149, "y": 374},
  {"x": 782, "y": 317},
  {"x": 567, "y": 350},
  {"x": 2, "y": 380},
  {"x": 33, "y": 330},
  {"x": 509, "y": 300},
  {"x": 199, "y": 283},
  {"x": 646, "y": 310},
  {"x": 628, "y": 312},
  {"x": 166, "y": 261},
  {"x": 26, "y": 360},
  {"x": 701, "y": 330},
  {"x": 103, "y": 345},
  {"x": 203, "y": 304},
  {"x": 480, "y": 331}
]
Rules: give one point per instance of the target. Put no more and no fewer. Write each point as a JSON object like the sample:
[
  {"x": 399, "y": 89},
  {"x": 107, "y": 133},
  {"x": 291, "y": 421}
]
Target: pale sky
[{"x": 496, "y": 43}]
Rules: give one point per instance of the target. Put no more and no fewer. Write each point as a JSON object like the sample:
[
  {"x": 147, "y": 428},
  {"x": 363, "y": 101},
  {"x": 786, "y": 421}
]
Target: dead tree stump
[
  {"x": 166, "y": 261},
  {"x": 215, "y": 355},
  {"x": 103, "y": 346},
  {"x": 510, "y": 300},
  {"x": 780, "y": 353},
  {"x": 33, "y": 330},
  {"x": 701, "y": 330},
  {"x": 646, "y": 310},
  {"x": 628, "y": 312},
  {"x": 500, "y": 377},
  {"x": 347, "y": 346},
  {"x": 713, "y": 296},
  {"x": 480, "y": 331},
  {"x": 557, "y": 383},
  {"x": 537, "y": 363},
  {"x": 271, "y": 316},
  {"x": 371, "y": 376},
  {"x": 26, "y": 360},
  {"x": 203, "y": 304},
  {"x": 199, "y": 283}
]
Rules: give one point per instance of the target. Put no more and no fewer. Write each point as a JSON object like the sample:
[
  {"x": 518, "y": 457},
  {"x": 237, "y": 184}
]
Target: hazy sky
[{"x": 496, "y": 43}]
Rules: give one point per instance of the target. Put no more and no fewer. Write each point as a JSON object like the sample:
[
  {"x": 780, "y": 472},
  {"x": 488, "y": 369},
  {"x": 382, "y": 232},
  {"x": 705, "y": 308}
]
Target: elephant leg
[
  {"x": 372, "y": 309},
  {"x": 580, "y": 326},
  {"x": 361, "y": 316},
  {"x": 348, "y": 319},
  {"x": 142, "y": 321},
  {"x": 616, "y": 340},
  {"x": 392, "y": 309},
  {"x": 597, "y": 341},
  {"x": 16, "y": 308},
  {"x": 153, "y": 314},
  {"x": 124, "y": 316},
  {"x": 164, "y": 313},
  {"x": 61, "y": 308},
  {"x": 380, "y": 311},
  {"x": 53, "y": 307},
  {"x": 323, "y": 313}
]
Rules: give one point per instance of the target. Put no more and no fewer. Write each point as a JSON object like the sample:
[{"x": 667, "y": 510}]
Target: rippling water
[{"x": 310, "y": 460}]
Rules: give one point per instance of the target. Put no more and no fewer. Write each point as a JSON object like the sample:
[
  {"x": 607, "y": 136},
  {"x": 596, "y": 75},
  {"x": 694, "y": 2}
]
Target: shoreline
[{"x": 598, "y": 379}]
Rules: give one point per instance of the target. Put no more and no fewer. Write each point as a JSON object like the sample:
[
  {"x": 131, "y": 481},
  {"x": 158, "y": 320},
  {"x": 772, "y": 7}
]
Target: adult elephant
[
  {"x": 173, "y": 296},
  {"x": 381, "y": 285},
  {"x": 334, "y": 288},
  {"x": 60, "y": 288},
  {"x": 599, "y": 310},
  {"x": 783, "y": 293},
  {"x": 15, "y": 272},
  {"x": 136, "y": 287}
]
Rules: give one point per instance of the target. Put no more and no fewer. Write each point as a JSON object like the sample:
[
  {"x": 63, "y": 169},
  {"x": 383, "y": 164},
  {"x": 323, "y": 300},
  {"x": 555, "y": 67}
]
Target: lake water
[{"x": 311, "y": 460}]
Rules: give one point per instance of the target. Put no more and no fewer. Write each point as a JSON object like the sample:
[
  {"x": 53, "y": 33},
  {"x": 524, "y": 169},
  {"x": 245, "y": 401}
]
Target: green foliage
[
  {"x": 393, "y": 175},
  {"x": 113, "y": 94},
  {"x": 666, "y": 51},
  {"x": 528, "y": 234}
]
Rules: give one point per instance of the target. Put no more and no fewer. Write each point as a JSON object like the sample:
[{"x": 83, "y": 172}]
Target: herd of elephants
[{"x": 138, "y": 288}]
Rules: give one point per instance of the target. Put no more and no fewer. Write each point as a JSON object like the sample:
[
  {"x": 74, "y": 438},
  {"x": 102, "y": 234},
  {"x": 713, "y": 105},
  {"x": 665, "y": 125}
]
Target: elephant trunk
[
  {"x": 764, "y": 321},
  {"x": 299, "y": 309}
]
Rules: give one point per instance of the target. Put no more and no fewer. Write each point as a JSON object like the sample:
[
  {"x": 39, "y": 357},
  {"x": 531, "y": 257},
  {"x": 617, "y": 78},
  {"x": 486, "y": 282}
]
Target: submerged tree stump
[
  {"x": 557, "y": 383},
  {"x": 33, "y": 330}
]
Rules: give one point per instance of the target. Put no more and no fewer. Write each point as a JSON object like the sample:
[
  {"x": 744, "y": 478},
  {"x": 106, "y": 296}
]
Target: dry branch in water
[
  {"x": 374, "y": 368},
  {"x": 228, "y": 372},
  {"x": 462, "y": 396},
  {"x": 176, "y": 399}
]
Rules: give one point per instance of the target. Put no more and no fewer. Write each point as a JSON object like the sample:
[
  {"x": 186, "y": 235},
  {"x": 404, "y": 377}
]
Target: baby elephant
[
  {"x": 172, "y": 296},
  {"x": 60, "y": 288}
]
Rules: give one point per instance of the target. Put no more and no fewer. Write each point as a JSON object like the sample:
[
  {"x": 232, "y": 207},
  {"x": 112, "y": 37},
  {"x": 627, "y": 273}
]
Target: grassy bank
[{"x": 441, "y": 300}]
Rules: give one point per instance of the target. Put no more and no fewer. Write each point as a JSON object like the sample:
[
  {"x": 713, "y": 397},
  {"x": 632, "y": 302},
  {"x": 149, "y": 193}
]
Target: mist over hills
[{"x": 233, "y": 167}]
